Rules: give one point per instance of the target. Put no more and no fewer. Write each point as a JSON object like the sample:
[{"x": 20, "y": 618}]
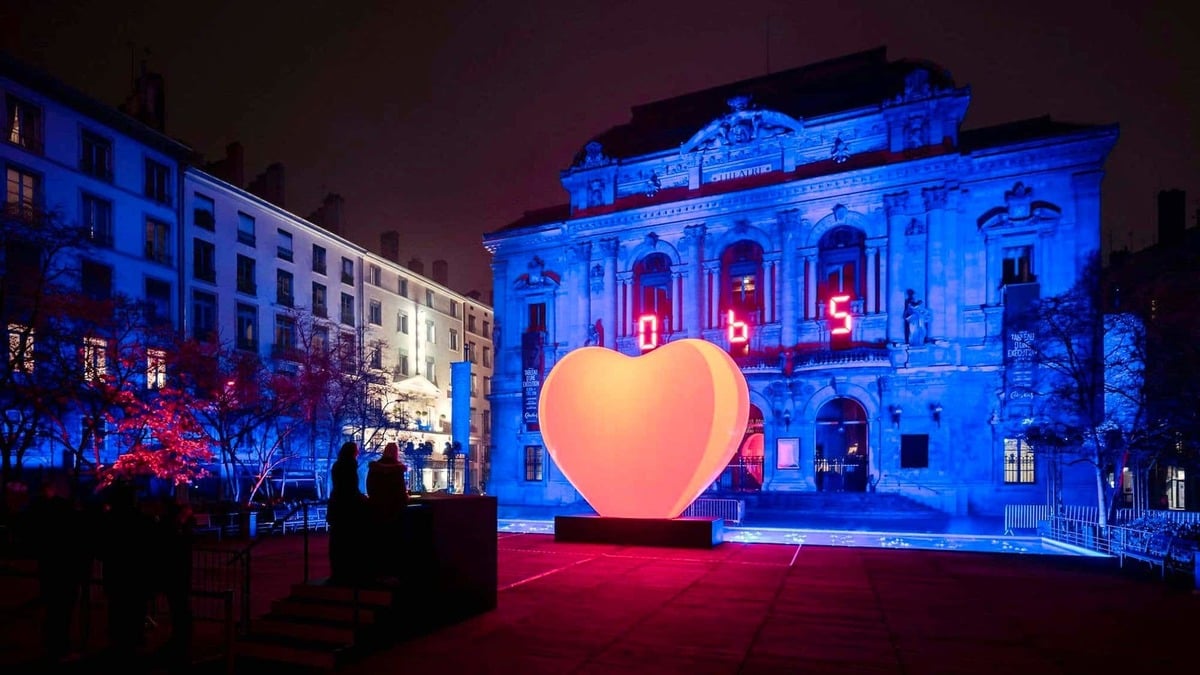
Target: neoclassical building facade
[{"x": 856, "y": 251}]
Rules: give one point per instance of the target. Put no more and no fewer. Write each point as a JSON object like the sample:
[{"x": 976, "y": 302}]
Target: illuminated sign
[
  {"x": 739, "y": 331},
  {"x": 593, "y": 413},
  {"x": 836, "y": 313},
  {"x": 647, "y": 332}
]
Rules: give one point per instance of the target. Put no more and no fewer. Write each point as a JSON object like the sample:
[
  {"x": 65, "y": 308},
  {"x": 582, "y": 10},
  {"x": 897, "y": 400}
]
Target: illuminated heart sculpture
[{"x": 643, "y": 437}]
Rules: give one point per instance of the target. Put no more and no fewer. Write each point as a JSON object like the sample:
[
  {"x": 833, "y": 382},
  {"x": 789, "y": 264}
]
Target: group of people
[
  {"x": 354, "y": 516},
  {"x": 143, "y": 553}
]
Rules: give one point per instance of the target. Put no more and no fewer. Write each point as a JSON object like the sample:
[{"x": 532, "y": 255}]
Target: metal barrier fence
[
  {"x": 1027, "y": 516},
  {"x": 731, "y": 510}
]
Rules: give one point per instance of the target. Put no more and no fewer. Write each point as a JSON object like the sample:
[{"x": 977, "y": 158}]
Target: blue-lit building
[{"x": 863, "y": 243}]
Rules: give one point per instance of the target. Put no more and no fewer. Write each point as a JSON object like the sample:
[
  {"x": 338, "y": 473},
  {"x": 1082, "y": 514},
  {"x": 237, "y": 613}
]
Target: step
[
  {"x": 377, "y": 597},
  {"x": 306, "y": 654},
  {"x": 330, "y": 611},
  {"x": 302, "y": 629}
]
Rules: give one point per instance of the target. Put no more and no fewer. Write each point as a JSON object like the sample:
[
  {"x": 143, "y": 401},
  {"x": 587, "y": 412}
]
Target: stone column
[
  {"x": 625, "y": 312},
  {"x": 676, "y": 301},
  {"x": 896, "y": 207},
  {"x": 768, "y": 271},
  {"x": 810, "y": 286},
  {"x": 608, "y": 311},
  {"x": 581, "y": 260},
  {"x": 712, "y": 273},
  {"x": 871, "y": 299},
  {"x": 789, "y": 221},
  {"x": 693, "y": 238},
  {"x": 936, "y": 262}
]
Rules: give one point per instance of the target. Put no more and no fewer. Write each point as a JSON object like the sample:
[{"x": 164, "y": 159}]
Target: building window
[
  {"x": 402, "y": 362},
  {"x": 429, "y": 370},
  {"x": 430, "y": 333},
  {"x": 376, "y": 357},
  {"x": 537, "y": 318},
  {"x": 1019, "y": 461},
  {"x": 23, "y": 193},
  {"x": 320, "y": 340},
  {"x": 93, "y": 436},
  {"x": 469, "y": 352},
  {"x": 285, "y": 336},
  {"x": 204, "y": 256},
  {"x": 914, "y": 451},
  {"x": 158, "y": 300},
  {"x": 652, "y": 277},
  {"x": 487, "y": 357},
  {"x": 453, "y": 308},
  {"x": 204, "y": 316},
  {"x": 403, "y": 287},
  {"x": 204, "y": 213},
  {"x": 285, "y": 293},
  {"x": 95, "y": 358},
  {"x": 428, "y": 298},
  {"x": 96, "y": 157},
  {"x": 245, "y": 275},
  {"x": 320, "y": 304},
  {"x": 97, "y": 220},
  {"x": 374, "y": 275},
  {"x": 283, "y": 250},
  {"x": 158, "y": 241},
  {"x": 741, "y": 265},
  {"x": 487, "y": 420},
  {"x": 247, "y": 327},
  {"x": 20, "y": 348},
  {"x": 474, "y": 388},
  {"x": 246, "y": 229},
  {"x": 95, "y": 279},
  {"x": 375, "y": 315},
  {"x": 471, "y": 323},
  {"x": 24, "y": 124},
  {"x": 487, "y": 387},
  {"x": 453, "y": 339},
  {"x": 487, "y": 329},
  {"x": 1018, "y": 265},
  {"x": 158, "y": 182},
  {"x": 156, "y": 369},
  {"x": 347, "y": 271},
  {"x": 347, "y": 310},
  {"x": 318, "y": 265},
  {"x": 402, "y": 323},
  {"x": 533, "y": 462}
]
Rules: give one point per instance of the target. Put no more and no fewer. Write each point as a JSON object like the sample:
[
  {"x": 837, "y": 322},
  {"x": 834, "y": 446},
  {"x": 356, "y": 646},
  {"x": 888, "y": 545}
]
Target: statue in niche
[
  {"x": 840, "y": 151},
  {"x": 916, "y": 318},
  {"x": 595, "y": 336},
  {"x": 595, "y": 193}
]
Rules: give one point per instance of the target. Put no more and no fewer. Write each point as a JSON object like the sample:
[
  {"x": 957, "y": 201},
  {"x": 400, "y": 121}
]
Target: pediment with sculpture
[{"x": 742, "y": 125}]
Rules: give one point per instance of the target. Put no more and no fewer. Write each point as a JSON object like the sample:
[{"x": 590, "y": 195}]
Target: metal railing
[{"x": 732, "y": 511}]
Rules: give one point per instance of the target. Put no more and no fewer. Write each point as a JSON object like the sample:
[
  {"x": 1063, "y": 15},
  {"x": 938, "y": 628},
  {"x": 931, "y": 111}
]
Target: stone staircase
[{"x": 886, "y": 511}]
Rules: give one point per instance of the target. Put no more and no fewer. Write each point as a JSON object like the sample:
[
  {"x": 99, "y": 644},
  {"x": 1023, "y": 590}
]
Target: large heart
[{"x": 643, "y": 437}]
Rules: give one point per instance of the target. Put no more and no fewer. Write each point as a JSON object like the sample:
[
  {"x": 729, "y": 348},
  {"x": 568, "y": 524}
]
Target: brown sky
[{"x": 446, "y": 120}]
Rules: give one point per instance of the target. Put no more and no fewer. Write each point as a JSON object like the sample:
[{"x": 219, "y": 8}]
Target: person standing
[
  {"x": 388, "y": 498},
  {"x": 347, "y": 510}
]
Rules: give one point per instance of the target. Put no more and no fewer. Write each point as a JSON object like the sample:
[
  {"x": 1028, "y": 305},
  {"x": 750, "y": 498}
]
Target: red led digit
[
  {"x": 647, "y": 332},
  {"x": 739, "y": 332},
  {"x": 836, "y": 312}
]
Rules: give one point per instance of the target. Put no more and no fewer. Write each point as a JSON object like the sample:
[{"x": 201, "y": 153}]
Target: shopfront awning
[{"x": 418, "y": 385}]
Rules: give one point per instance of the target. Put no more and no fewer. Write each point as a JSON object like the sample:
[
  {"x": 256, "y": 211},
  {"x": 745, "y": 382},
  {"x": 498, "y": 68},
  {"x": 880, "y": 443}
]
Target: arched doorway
[
  {"x": 840, "y": 459},
  {"x": 744, "y": 473}
]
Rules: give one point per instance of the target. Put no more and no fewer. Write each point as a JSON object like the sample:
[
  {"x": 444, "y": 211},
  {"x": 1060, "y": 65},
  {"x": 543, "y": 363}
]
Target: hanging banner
[{"x": 532, "y": 372}]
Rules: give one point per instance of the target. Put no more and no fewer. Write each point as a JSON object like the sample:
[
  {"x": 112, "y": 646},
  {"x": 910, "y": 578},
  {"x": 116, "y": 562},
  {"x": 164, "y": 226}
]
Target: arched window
[
  {"x": 652, "y": 279},
  {"x": 741, "y": 270},
  {"x": 841, "y": 266}
]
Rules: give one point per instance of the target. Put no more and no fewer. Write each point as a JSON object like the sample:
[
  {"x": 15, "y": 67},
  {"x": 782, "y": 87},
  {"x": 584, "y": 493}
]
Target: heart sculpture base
[{"x": 666, "y": 532}]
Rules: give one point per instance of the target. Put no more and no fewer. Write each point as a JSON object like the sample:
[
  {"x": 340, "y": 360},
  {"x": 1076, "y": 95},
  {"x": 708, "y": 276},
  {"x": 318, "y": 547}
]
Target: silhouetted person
[
  {"x": 58, "y": 530},
  {"x": 125, "y": 544},
  {"x": 175, "y": 532},
  {"x": 388, "y": 499},
  {"x": 346, "y": 516}
]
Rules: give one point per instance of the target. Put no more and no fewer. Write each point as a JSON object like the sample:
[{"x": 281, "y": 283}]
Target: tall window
[
  {"x": 471, "y": 323},
  {"x": 318, "y": 259},
  {"x": 652, "y": 277},
  {"x": 347, "y": 271},
  {"x": 453, "y": 339},
  {"x": 158, "y": 300},
  {"x": 402, "y": 322},
  {"x": 158, "y": 241},
  {"x": 158, "y": 182},
  {"x": 156, "y": 369},
  {"x": 533, "y": 462},
  {"x": 741, "y": 263},
  {"x": 96, "y": 156},
  {"x": 1019, "y": 461},
  {"x": 204, "y": 213},
  {"x": 23, "y": 124},
  {"x": 402, "y": 362},
  {"x": 430, "y": 332},
  {"x": 246, "y": 229},
  {"x": 1018, "y": 265},
  {"x": 284, "y": 291},
  {"x": 320, "y": 304},
  {"x": 537, "y": 317},
  {"x": 285, "y": 336},
  {"x": 283, "y": 250},
  {"x": 374, "y": 275},
  {"x": 245, "y": 275},
  {"x": 95, "y": 358},
  {"x": 23, "y": 193},
  {"x": 375, "y": 313},
  {"x": 347, "y": 313},
  {"x": 403, "y": 287},
  {"x": 20, "y": 348},
  {"x": 428, "y": 298},
  {"x": 429, "y": 370},
  {"x": 375, "y": 359},
  {"x": 204, "y": 260},
  {"x": 247, "y": 327},
  {"x": 487, "y": 357},
  {"x": 204, "y": 316},
  {"x": 95, "y": 279},
  {"x": 97, "y": 220}
]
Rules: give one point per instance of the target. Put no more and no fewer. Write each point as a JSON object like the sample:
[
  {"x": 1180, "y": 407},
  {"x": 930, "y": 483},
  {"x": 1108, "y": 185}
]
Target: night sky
[{"x": 445, "y": 120}]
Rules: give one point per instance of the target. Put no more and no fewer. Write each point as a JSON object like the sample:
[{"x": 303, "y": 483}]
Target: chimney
[
  {"x": 441, "y": 272},
  {"x": 269, "y": 185},
  {"x": 147, "y": 102},
  {"x": 389, "y": 244},
  {"x": 329, "y": 214},
  {"x": 1172, "y": 217},
  {"x": 231, "y": 168},
  {"x": 417, "y": 266}
]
